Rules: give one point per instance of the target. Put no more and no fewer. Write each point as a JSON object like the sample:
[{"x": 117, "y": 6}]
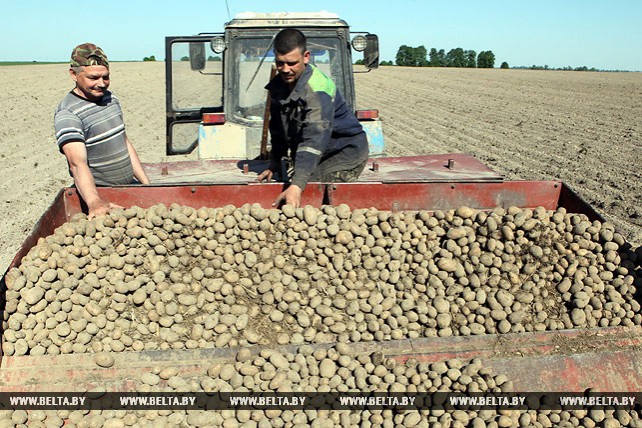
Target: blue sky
[{"x": 605, "y": 34}]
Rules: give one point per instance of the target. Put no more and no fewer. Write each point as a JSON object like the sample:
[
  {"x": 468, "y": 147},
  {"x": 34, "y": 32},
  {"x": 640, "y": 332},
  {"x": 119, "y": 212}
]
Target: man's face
[
  {"x": 91, "y": 82},
  {"x": 291, "y": 65}
]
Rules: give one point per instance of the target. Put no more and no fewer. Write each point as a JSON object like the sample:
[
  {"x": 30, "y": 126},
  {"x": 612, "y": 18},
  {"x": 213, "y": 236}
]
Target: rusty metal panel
[
  {"x": 408, "y": 169},
  {"x": 570, "y": 200},
  {"x": 605, "y": 359},
  {"x": 429, "y": 168},
  {"x": 206, "y": 195},
  {"x": 73, "y": 203},
  {"x": 615, "y": 370},
  {"x": 205, "y": 171},
  {"x": 444, "y": 196}
]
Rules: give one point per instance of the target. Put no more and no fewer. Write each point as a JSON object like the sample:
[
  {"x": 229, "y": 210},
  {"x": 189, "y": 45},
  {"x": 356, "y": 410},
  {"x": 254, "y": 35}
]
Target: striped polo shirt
[{"x": 101, "y": 127}]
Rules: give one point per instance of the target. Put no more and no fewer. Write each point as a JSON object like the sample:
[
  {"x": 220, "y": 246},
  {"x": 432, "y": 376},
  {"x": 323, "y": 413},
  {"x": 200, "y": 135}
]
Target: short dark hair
[{"x": 289, "y": 39}]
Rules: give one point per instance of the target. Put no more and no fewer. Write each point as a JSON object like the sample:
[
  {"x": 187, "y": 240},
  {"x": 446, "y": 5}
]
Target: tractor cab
[{"x": 216, "y": 100}]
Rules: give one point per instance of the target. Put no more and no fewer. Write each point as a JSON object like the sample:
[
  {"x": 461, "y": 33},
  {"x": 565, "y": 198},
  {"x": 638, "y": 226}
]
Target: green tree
[
  {"x": 213, "y": 58},
  {"x": 411, "y": 57},
  {"x": 486, "y": 59},
  {"x": 404, "y": 55},
  {"x": 421, "y": 54},
  {"x": 504, "y": 65},
  {"x": 437, "y": 58},
  {"x": 149, "y": 58},
  {"x": 185, "y": 58},
  {"x": 456, "y": 58},
  {"x": 471, "y": 58}
]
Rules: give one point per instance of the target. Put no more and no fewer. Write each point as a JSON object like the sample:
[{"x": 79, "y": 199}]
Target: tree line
[
  {"x": 567, "y": 68},
  {"x": 419, "y": 56}
]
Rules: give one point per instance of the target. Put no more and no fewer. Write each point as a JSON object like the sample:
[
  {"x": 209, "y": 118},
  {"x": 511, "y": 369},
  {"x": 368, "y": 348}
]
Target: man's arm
[
  {"x": 139, "y": 171},
  {"x": 277, "y": 143},
  {"x": 76, "y": 154},
  {"x": 317, "y": 131}
]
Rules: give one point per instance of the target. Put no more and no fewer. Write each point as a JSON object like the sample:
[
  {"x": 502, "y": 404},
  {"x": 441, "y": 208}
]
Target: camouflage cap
[{"x": 88, "y": 54}]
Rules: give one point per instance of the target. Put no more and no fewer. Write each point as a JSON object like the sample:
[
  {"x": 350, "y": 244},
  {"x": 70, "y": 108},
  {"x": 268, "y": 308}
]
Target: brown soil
[{"x": 582, "y": 128}]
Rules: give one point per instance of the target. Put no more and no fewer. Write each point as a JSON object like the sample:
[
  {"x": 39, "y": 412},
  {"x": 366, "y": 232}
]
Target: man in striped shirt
[{"x": 90, "y": 131}]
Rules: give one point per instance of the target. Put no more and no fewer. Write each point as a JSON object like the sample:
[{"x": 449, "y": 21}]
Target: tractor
[{"x": 215, "y": 82}]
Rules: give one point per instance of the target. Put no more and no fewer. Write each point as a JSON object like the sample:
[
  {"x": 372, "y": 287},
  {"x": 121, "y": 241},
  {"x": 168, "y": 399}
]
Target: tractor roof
[{"x": 286, "y": 19}]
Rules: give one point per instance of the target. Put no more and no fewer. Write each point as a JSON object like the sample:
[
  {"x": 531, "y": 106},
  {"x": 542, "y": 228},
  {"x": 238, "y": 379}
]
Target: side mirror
[
  {"x": 371, "y": 53},
  {"x": 197, "y": 55}
]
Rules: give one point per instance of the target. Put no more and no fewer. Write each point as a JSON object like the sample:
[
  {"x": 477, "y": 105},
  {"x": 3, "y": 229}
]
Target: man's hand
[
  {"x": 291, "y": 196},
  {"x": 76, "y": 154},
  {"x": 273, "y": 167},
  {"x": 265, "y": 175},
  {"x": 100, "y": 207}
]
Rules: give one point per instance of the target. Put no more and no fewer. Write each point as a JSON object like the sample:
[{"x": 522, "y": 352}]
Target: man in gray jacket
[{"x": 310, "y": 118}]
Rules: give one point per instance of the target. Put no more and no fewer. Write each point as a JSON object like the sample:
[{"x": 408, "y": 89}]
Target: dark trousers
[{"x": 345, "y": 165}]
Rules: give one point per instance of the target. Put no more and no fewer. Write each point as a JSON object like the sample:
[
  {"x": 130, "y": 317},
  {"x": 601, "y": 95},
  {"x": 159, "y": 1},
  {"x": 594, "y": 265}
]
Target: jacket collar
[{"x": 280, "y": 89}]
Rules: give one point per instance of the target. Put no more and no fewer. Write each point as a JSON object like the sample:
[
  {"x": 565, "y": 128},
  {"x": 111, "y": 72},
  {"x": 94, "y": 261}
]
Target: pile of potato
[{"x": 178, "y": 277}]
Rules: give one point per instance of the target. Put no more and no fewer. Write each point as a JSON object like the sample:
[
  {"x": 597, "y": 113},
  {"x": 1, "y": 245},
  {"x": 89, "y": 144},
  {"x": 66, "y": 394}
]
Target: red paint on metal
[
  {"x": 204, "y": 172},
  {"x": 573, "y": 377},
  {"x": 612, "y": 370},
  {"x": 606, "y": 359},
  {"x": 432, "y": 168},
  {"x": 205, "y": 196},
  {"x": 444, "y": 196},
  {"x": 367, "y": 114},
  {"x": 409, "y": 169},
  {"x": 213, "y": 118},
  {"x": 73, "y": 204}
]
